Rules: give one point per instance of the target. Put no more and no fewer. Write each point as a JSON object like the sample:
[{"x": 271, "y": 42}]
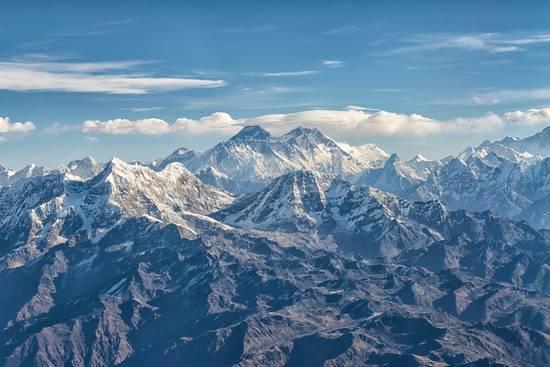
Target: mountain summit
[
  {"x": 253, "y": 157},
  {"x": 252, "y": 133}
]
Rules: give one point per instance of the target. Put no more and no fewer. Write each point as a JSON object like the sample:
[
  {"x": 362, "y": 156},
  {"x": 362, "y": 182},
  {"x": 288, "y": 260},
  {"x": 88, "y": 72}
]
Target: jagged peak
[
  {"x": 252, "y": 132},
  {"x": 300, "y": 130},
  {"x": 483, "y": 144},
  {"x": 85, "y": 160},
  {"x": 509, "y": 139},
  {"x": 392, "y": 160},
  {"x": 123, "y": 168},
  {"x": 5, "y": 169},
  {"x": 307, "y": 133},
  {"x": 456, "y": 164},
  {"x": 212, "y": 171},
  {"x": 119, "y": 167},
  {"x": 117, "y": 162},
  {"x": 180, "y": 151},
  {"x": 419, "y": 158}
]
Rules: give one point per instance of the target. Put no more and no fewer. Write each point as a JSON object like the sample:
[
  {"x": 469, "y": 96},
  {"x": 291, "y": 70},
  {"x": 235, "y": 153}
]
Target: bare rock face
[{"x": 232, "y": 297}]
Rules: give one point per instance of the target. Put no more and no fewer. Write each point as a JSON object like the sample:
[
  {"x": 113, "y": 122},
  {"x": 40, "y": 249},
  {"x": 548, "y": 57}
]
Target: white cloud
[
  {"x": 495, "y": 43},
  {"x": 333, "y": 63},
  {"x": 499, "y": 50},
  {"x": 218, "y": 122},
  {"x": 361, "y": 108},
  {"x": 510, "y": 95},
  {"x": 6, "y": 126},
  {"x": 533, "y": 116},
  {"x": 528, "y": 40},
  {"x": 150, "y": 126},
  {"x": 286, "y": 73},
  {"x": 33, "y": 75},
  {"x": 485, "y": 123},
  {"x": 355, "y": 122},
  {"x": 58, "y": 128},
  {"x": 144, "y": 109}
]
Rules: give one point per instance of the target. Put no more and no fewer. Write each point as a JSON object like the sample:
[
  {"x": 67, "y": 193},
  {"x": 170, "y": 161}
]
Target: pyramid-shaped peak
[
  {"x": 305, "y": 131},
  {"x": 392, "y": 160},
  {"x": 419, "y": 158},
  {"x": 252, "y": 132}
]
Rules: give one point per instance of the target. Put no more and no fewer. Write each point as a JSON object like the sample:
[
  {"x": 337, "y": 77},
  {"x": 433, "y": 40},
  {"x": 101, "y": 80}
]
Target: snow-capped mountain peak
[
  {"x": 311, "y": 134},
  {"x": 252, "y": 132},
  {"x": 418, "y": 158},
  {"x": 369, "y": 154},
  {"x": 527, "y": 150},
  {"x": 290, "y": 202},
  {"x": 253, "y": 157},
  {"x": 84, "y": 168}
]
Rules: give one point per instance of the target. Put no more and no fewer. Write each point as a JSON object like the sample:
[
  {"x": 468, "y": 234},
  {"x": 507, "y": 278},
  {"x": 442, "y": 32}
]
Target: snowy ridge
[
  {"x": 38, "y": 213},
  {"x": 368, "y": 220},
  {"x": 141, "y": 264},
  {"x": 253, "y": 157}
]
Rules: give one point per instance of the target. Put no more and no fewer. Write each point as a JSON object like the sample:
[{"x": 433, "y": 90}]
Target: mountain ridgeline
[{"x": 290, "y": 250}]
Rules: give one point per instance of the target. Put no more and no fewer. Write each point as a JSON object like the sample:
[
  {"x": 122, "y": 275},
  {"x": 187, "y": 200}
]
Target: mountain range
[{"x": 290, "y": 250}]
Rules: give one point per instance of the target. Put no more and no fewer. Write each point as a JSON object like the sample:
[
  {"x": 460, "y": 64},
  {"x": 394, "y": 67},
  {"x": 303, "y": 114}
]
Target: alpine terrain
[{"x": 290, "y": 250}]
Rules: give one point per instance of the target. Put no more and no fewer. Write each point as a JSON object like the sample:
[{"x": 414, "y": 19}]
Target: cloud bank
[
  {"x": 219, "y": 122},
  {"x": 354, "y": 122},
  {"x": 533, "y": 116},
  {"x": 495, "y": 43}
]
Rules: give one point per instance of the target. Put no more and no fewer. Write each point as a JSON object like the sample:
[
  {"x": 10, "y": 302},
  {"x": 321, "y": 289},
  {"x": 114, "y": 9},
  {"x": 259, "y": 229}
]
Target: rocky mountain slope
[
  {"x": 133, "y": 265},
  {"x": 39, "y": 213},
  {"x": 145, "y": 292},
  {"x": 375, "y": 224},
  {"x": 82, "y": 169}
]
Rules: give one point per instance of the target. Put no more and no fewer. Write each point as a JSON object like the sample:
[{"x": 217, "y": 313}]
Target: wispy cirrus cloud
[
  {"x": 115, "y": 77},
  {"x": 344, "y": 29},
  {"x": 144, "y": 109},
  {"x": 98, "y": 29},
  {"x": 285, "y": 73},
  {"x": 333, "y": 63},
  {"x": 495, "y": 43},
  {"x": 492, "y": 97}
]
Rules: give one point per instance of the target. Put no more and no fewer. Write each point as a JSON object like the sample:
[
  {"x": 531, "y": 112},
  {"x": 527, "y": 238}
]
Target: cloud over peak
[{"x": 353, "y": 122}]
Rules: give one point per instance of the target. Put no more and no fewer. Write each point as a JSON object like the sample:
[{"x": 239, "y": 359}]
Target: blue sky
[{"x": 138, "y": 79}]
